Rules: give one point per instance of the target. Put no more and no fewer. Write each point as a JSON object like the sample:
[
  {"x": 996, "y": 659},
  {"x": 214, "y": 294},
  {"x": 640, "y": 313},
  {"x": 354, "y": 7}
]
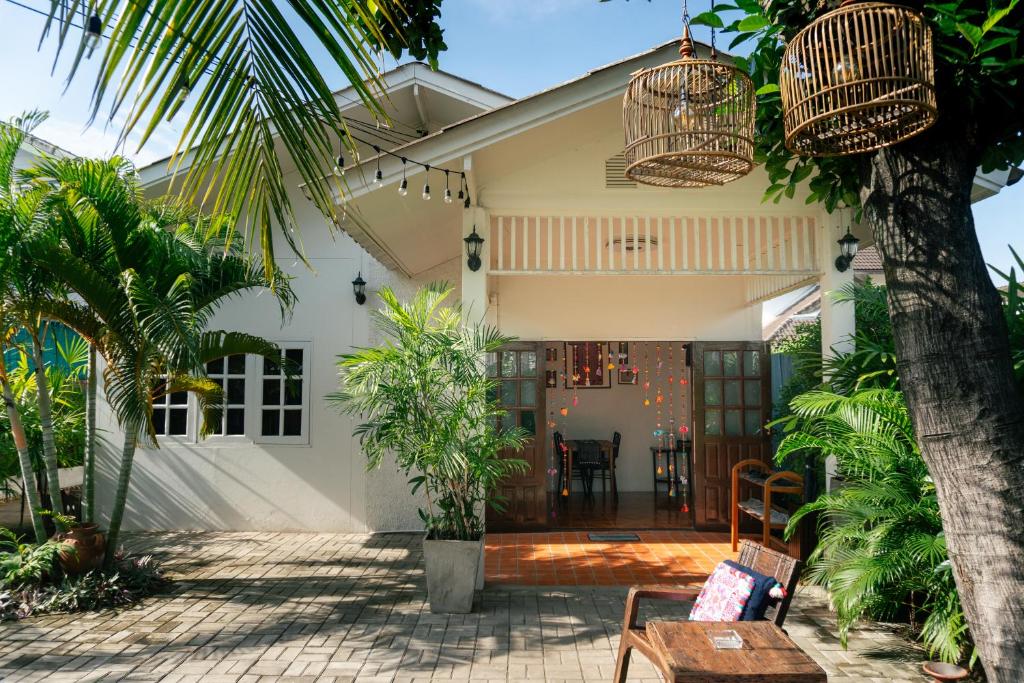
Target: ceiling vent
[{"x": 615, "y": 173}]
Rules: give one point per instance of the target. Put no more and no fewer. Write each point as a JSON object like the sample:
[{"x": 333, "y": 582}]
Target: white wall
[
  {"x": 652, "y": 307},
  {"x": 236, "y": 484}
]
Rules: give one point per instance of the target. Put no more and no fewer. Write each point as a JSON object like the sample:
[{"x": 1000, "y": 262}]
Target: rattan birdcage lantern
[
  {"x": 859, "y": 78},
  {"x": 690, "y": 122}
]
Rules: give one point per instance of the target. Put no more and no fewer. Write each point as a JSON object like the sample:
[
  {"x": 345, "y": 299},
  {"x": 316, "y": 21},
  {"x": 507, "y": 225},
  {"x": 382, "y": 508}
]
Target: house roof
[
  {"x": 805, "y": 309},
  {"x": 868, "y": 260}
]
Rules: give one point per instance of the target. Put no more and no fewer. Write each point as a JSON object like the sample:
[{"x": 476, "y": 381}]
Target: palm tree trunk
[
  {"x": 89, "y": 461},
  {"x": 29, "y": 491},
  {"x": 956, "y": 373},
  {"x": 46, "y": 424},
  {"x": 121, "y": 495}
]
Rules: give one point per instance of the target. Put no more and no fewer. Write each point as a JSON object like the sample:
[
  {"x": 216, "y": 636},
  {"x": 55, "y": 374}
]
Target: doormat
[{"x": 613, "y": 537}]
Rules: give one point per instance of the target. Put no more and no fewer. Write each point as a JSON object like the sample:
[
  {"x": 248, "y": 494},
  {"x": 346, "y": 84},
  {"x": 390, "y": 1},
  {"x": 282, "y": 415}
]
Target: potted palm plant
[{"x": 426, "y": 401}]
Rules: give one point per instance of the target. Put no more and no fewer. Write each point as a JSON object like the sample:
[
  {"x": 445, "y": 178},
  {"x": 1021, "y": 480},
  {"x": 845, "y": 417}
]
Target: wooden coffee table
[{"x": 768, "y": 655}]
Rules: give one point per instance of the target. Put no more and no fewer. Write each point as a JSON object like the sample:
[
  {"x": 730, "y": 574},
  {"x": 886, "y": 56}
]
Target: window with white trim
[
  {"x": 170, "y": 412},
  {"x": 230, "y": 374},
  {"x": 284, "y": 396}
]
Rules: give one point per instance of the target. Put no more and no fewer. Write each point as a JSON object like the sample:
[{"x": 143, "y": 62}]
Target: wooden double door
[
  {"x": 518, "y": 370},
  {"x": 731, "y": 404}
]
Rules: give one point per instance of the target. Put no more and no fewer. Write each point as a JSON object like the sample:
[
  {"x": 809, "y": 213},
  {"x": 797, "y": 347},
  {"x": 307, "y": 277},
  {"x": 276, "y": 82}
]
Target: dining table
[{"x": 607, "y": 448}]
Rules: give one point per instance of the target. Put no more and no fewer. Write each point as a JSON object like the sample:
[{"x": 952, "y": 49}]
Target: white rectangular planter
[{"x": 452, "y": 568}]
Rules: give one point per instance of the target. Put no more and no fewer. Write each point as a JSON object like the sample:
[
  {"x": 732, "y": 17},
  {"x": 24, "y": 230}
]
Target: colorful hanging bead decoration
[
  {"x": 586, "y": 364},
  {"x": 671, "y": 392},
  {"x": 565, "y": 469},
  {"x": 611, "y": 362}
]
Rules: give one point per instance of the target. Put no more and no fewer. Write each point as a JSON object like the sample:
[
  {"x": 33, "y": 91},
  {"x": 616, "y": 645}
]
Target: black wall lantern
[
  {"x": 848, "y": 249},
  {"x": 473, "y": 245},
  {"x": 359, "y": 287}
]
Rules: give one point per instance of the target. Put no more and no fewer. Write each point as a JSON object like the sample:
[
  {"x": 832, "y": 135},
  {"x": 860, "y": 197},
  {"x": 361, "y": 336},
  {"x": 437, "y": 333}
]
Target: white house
[{"x": 576, "y": 262}]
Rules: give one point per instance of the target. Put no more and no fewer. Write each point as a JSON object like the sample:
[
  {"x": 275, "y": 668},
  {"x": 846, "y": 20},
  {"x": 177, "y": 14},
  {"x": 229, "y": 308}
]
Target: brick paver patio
[{"x": 338, "y": 607}]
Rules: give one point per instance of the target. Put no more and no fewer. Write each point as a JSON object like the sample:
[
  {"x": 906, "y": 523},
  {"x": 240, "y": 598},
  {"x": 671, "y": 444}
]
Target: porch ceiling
[{"x": 407, "y": 234}]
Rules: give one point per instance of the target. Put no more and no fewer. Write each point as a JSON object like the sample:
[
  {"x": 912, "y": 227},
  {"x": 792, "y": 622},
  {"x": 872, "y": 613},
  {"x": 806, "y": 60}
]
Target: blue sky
[{"x": 513, "y": 46}]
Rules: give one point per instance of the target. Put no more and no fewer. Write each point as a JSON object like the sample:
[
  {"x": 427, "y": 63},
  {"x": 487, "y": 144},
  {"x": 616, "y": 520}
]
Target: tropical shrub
[
  {"x": 1013, "y": 307},
  {"x": 881, "y": 551},
  {"x": 427, "y": 401},
  {"x": 32, "y": 582}
]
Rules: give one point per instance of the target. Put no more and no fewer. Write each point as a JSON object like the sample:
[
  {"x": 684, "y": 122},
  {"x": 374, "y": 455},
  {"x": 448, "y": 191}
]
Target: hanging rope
[{"x": 714, "y": 52}]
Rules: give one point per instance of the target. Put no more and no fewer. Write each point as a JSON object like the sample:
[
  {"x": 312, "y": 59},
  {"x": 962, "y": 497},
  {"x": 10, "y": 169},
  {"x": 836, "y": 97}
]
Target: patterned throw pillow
[{"x": 723, "y": 596}]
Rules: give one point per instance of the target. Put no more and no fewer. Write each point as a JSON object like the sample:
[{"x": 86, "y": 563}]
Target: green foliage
[
  {"x": 979, "y": 73},
  {"x": 65, "y": 373},
  {"x": 881, "y": 551},
  {"x": 254, "y": 77},
  {"x": 26, "y": 564},
  {"x": 130, "y": 580},
  {"x": 1013, "y": 307},
  {"x": 427, "y": 401}
]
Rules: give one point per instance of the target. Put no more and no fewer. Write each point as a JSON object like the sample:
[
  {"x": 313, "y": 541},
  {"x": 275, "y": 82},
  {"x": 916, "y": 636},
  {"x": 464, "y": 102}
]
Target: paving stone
[{"x": 257, "y": 607}]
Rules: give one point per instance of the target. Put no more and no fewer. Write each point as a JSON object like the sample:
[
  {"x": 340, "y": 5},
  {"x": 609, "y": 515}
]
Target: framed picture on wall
[
  {"x": 585, "y": 365},
  {"x": 551, "y": 379},
  {"x": 551, "y": 354}
]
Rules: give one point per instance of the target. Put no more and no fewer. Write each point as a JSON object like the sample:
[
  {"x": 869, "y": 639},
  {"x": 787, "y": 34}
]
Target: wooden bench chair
[{"x": 784, "y": 568}]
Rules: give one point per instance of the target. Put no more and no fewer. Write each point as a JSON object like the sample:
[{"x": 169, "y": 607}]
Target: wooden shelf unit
[{"x": 760, "y": 476}]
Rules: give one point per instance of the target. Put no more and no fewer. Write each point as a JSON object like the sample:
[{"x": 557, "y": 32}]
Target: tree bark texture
[
  {"x": 29, "y": 491},
  {"x": 46, "y": 425},
  {"x": 121, "y": 494},
  {"x": 89, "y": 461},
  {"x": 956, "y": 373}
]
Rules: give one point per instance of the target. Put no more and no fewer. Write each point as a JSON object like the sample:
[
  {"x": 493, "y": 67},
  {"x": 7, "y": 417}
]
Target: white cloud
[{"x": 98, "y": 140}]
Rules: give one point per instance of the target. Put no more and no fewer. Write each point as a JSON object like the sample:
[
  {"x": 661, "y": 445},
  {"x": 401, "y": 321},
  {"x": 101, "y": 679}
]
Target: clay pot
[
  {"x": 945, "y": 672},
  {"x": 90, "y": 549}
]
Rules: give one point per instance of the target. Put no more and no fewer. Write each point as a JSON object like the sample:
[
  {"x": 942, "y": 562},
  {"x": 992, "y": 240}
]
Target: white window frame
[
  {"x": 256, "y": 414},
  {"x": 191, "y": 429},
  {"x": 247, "y": 405}
]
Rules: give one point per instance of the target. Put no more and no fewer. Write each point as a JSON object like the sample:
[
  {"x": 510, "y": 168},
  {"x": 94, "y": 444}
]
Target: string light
[
  {"x": 93, "y": 32},
  {"x": 339, "y": 163},
  {"x": 426, "y": 183},
  {"x": 403, "y": 188},
  {"x": 378, "y": 177},
  {"x": 447, "y": 189}
]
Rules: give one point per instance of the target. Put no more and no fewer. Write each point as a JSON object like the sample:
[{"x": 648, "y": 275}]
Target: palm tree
[
  {"x": 12, "y": 215},
  {"x": 249, "y": 70},
  {"x": 149, "y": 276}
]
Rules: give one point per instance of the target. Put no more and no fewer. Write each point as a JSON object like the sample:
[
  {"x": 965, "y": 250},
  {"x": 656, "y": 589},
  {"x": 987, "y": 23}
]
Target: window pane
[
  {"x": 271, "y": 392},
  {"x": 236, "y": 364},
  {"x": 528, "y": 363},
  {"x": 179, "y": 398},
  {"x": 294, "y": 358},
  {"x": 492, "y": 392},
  {"x": 731, "y": 361},
  {"x": 159, "y": 417},
  {"x": 528, "y": 392},
  {"x": 235, "y": 421},
  {"x": 713, "y": 363},
  {"x": 752, "y": 420},
  {"x": 713, "y": 422},
  {"x": 215, "y": 367},
  {"x": 752, "y": 363},
  {"x": 752, "y": 392},
  {"x": 236, "y": 391},
  {"x": 178, "y": 422},
  {"x": 732, "y": 392},
  {"x": 293, "y": 392},
  {"x": 293, "y": 423},
  {"x": 508, "y": 364},
  {"x": 713, "y": 392},
  {"x": 528, "y": 421},
  {"x": 733, "y": 423},
  {"x": 492, "y": 364},
  {"x": 271, "y": 423},
  {"x": 271, "y": 367},
  {"x": 508, "y": 393}
]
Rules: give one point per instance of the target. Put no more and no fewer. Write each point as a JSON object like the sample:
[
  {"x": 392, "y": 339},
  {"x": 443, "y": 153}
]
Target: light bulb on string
[
  {"x": 447, "y": 190},
  {"x": 93, "y": 33},
  {"x": 378, "y": 177},
  {"x": 403, "y": 188},
  {"x": 426, "y": 184},
  {"x": 339, "y": 163},
  {"x": 462, "y": 185}
]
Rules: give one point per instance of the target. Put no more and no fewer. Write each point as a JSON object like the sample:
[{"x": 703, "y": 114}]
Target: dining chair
[{"x": 606, "y": 470}]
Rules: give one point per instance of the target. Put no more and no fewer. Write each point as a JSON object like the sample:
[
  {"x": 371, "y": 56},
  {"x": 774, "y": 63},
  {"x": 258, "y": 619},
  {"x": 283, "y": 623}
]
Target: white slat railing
[{"x": 754, "y": 245}]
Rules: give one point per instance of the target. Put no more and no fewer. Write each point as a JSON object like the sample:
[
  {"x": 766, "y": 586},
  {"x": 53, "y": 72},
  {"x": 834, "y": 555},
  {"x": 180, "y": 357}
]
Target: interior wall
[{"x": 599, "y": 412}]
